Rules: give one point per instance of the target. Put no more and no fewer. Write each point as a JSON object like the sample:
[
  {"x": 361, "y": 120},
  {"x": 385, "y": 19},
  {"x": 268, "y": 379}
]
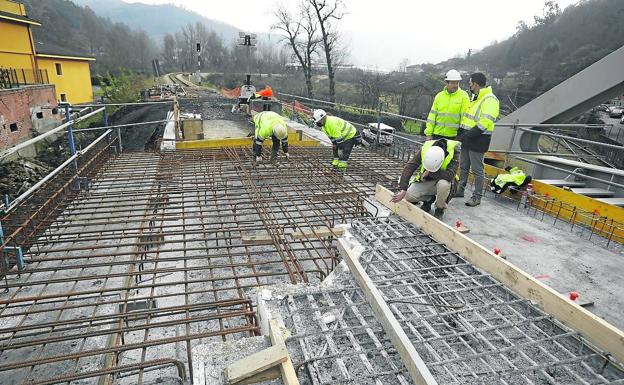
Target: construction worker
[
  {"x": 447, "y": 109},
  {"x": 342, "y": 134},
  {"x": 270, "y": 124},
  {"x": 429, "y": 175},
  {"x": 478, "y": 125},
  {"x": 515, "y": 178}
]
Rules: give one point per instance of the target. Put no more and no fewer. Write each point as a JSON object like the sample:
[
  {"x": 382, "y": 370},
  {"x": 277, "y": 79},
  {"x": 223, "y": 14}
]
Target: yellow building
[{"x": 29, "y": 64}]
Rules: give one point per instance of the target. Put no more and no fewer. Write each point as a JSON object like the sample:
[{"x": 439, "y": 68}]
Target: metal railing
[{"x": 16, "y": 77}]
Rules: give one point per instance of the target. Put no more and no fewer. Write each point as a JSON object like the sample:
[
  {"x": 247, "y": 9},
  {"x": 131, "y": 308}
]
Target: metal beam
[{"x": 600, "y": 81}]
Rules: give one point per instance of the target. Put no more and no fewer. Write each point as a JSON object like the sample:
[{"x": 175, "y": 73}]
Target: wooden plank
[
  {"x": 255, "y": 364},
  {"x": 289, "y": 377},
  {"x": 416, "y": 367},
  {"x": 267, "y": 375},
  {"x": 319, "y": 232},
  {"x": 601, "y": 333}
]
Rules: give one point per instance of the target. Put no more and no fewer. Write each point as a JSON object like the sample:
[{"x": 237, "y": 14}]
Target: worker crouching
[
  {"x": 343, "y": 135},
  {"x": 270, "y": 124},
  {"x": 429, "y": 175}
]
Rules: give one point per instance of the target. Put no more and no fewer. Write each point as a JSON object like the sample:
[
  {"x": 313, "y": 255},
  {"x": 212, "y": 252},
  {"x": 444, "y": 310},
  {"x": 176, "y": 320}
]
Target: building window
[
  {"x": 63, "y": 98},
  {"x": 13, "y": 127},
  {"x": 40, "y": 115},
  {"x": 59, "y": 69}
]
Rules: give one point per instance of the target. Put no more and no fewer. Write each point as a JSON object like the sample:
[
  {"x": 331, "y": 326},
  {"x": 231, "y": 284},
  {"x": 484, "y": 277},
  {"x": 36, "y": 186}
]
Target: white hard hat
[
  {"x": 280, "y": 131},
  {"x": 453, "y": 75},
  {"x": 318, "y": 115},
  {"x": 433, "y": 158}
]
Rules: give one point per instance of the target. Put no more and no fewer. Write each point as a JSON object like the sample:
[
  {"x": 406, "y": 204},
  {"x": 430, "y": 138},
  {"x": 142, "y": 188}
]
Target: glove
[
  {"x": 258, "y": 159},
  {"x": 287, "y": 157}
]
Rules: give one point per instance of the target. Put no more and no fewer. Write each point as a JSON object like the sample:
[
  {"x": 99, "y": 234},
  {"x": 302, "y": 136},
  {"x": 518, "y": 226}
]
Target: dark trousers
[
  {"x": 343, "y": 150},
  {"x": 257, "y": 146}
]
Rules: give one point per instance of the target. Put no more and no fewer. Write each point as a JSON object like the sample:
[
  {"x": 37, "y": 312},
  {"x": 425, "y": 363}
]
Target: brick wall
[{"x": 27, "y": 110}]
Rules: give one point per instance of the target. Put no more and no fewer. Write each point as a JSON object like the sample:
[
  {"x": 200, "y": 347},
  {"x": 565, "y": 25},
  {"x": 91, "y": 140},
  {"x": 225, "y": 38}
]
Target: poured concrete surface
[
  {"x": 220, "y": 129},
  {"x": 558, "y": 257}
]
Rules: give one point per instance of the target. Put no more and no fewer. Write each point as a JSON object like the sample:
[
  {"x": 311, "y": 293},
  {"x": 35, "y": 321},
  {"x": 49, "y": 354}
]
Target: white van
[{"x": 386, "y": 136}]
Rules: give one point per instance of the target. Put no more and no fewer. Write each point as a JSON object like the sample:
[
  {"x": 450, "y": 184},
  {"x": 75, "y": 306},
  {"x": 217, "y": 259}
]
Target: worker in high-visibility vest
[
  {"x": 478, "y": 125},
  {"x": 447, "y": 109},
  {"x": 429, "y": 175},
  {"x": 272, "y": 125},
  {"x": 343, "y": 135},
  {"x": 515, "y": 177}
]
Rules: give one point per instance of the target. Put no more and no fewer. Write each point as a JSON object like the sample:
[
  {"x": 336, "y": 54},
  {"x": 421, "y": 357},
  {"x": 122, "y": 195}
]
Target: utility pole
[
  {"x": 247, "y": 90},
  {"x": 198, "y": 63}
]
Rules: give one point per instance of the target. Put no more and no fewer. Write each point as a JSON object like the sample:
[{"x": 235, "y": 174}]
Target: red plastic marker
[
  {"x": 458, "y": 223},
  {"x": 497, "y": 251},
  {"x": 574, "y": 295},
  {"x": 596, "y": 211}
]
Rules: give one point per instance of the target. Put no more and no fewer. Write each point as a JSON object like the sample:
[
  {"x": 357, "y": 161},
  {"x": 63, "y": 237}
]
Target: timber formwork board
[
  {"x": 463, "y": 324},
  {"x": 128, "y": 276}
]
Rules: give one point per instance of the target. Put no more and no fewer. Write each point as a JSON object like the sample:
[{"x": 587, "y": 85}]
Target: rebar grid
[
  {"x": 152, "y": 260},
  {"x": 467, "y": 327}
]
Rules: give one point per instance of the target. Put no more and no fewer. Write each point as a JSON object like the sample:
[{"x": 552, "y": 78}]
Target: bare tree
[
  {"x": 327, "y": 12},
  {"x": 169, "y": 51},
  {"x": 301, "y": 36}
]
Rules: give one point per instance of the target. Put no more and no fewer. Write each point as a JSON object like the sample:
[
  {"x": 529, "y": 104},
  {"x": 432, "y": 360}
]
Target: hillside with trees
[{"x": 555, "y": 46}]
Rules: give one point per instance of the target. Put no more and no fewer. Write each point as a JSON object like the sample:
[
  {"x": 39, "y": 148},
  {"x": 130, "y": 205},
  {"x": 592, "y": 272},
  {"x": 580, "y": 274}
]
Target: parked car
[
  {"x": 616, "y": 112},
  {"x": 386, "y": 136},
  {"x": 603, "y": 107},
  {"x": 622, "y": 120}
]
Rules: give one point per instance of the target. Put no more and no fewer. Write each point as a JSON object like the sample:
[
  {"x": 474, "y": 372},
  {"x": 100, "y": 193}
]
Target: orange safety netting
[
  {"x": 298, "y": 107},
  {"x": 231, "y": 94}
]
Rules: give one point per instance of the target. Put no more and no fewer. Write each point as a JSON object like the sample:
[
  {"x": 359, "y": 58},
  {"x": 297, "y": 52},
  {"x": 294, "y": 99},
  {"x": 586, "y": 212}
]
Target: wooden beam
[
  {"x": 413, "y": 362},
  {"x": 255, "y": 364},
  {"x": 267, "y": 375},
  {"x": 601, "y": 333},
  {"x": 289, "y": 377}
]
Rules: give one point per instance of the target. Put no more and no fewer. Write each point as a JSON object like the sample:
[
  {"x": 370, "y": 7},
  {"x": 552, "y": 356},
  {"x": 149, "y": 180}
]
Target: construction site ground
[{"x": 165, "y": 253}]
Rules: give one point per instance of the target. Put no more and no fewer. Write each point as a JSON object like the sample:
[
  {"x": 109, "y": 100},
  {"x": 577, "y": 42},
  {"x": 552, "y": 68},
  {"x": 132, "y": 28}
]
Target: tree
[
  {"x": 169, "y": 51},
  {"x": 550, "y": 13},
  {"x": 124, "y": 88},
  {"x": 328, "y": 12},
  {"x": 301, "y": 37}
]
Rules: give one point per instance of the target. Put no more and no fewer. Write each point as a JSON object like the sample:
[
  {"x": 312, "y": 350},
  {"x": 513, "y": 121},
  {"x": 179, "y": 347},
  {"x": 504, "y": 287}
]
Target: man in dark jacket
[
  {"x": 428, "y": 175},
  {"x": 478, "y": 126}
]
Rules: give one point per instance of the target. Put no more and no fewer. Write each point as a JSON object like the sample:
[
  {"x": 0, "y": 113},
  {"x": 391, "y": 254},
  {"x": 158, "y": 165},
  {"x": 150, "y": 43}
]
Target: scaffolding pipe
[
  {"x": 561, "y": 125},
  {"x": 27, "y": 193},
  {"x": 27, "y": 143},
  {"x": 120, "y": 126},
  {"x": 570, "y": 172},
  {"x": 125, "y": 104}
]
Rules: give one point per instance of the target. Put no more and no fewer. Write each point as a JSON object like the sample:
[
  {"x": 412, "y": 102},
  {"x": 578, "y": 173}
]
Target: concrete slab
[
  {"x": 219, "y": 129},
  {"x": 558, "y": 256}
]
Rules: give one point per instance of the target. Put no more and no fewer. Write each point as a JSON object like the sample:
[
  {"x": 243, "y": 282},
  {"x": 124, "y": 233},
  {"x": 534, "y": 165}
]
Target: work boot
[
  {"x": 474, "y": 201},
  {"x": 426, "y": 205},
  {"x": 459, "y": 193},
  {"x": 438, "y": 213}
]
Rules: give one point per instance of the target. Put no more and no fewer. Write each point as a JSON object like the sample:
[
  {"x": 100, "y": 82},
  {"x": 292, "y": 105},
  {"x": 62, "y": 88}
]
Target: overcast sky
[{"x": 381, "y": 33}]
